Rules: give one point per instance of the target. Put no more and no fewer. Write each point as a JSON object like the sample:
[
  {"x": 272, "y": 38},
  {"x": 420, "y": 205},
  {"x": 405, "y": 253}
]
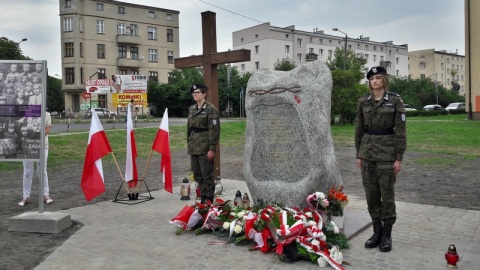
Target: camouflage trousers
[
  {"x": 203, "y": 174},
  {"x": 379, "y": 181}
]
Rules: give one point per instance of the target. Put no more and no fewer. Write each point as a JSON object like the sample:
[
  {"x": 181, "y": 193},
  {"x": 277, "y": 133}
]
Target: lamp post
[
  {"x": 345, "y": 50},
  {"x": 17, "y": 44}
]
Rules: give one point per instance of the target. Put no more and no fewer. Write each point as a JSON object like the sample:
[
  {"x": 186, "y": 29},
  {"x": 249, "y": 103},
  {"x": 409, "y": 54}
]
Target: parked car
[
  {"x": 54, "y": 113},
  {"x": 101, "y": 112},
  {"x": 409, "y": 107},
  {"x": 455, "y": 106},
  {"x": 433, "y": 107}
]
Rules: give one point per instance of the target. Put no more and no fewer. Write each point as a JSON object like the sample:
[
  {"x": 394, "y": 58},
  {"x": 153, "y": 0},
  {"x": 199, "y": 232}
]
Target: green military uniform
[
  {"x": 203, "y": 132},
  {"x": 380, "y": 140}
]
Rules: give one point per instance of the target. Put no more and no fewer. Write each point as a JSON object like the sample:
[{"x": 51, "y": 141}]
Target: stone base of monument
[
  {"x": 355, "y": 222},
  {"x": 46, "y": 222}
]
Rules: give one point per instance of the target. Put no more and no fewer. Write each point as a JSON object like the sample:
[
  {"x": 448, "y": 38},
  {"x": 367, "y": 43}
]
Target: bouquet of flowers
[{"x": 337, "y": 201}]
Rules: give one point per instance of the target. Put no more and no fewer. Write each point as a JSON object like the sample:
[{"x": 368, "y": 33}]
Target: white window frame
[
  {"x": 257, "y": 65},
  {"x": 133, "y": 30},
  {"x": 68, "y": 3},
  {"x": 287, "y": 48},
  {"x": 68, "y": 24},
  {"x": 299, "y": 42},
  {"x": 170, "y": 57},
  {"x": 122, "y": 29},
  {"x": 152, "y": 33},
  {"x": 121, "y": 10},
  {"x": 169, "y": 35},
  {"x": 152, "y": 55},
  {"x": 299, "y": 57},
  {"x": 100, "y": 27},
  {"x": 257, "y": 48},
  {"x": 100, "y": 7},
  {"x": 320, "y": 52},
  {"x": 169, "y": 17},
  {"x": 134, "y": 52}
]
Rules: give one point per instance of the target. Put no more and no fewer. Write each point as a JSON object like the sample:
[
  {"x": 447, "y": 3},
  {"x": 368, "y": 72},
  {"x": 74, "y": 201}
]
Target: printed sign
[
  {"x": 101, "y": 86},
  {"x": 129, "y": 84}
]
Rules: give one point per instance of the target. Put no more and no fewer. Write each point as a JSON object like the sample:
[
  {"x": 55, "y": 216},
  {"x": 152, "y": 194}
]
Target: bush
[{"x": 457, "y": 111}]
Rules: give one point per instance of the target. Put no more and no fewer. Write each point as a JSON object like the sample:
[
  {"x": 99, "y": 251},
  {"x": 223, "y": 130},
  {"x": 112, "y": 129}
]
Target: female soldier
[
  {"x": 203, "y": 132},
  {"x": 380, "y": 140}
]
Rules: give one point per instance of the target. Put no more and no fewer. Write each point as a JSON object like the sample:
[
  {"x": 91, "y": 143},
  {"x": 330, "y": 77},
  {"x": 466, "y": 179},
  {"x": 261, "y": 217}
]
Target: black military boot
[
  {"x": 203, "y": 199},
  {"x": 386, "y": 243},
  {"x": 374, "y": 241}
]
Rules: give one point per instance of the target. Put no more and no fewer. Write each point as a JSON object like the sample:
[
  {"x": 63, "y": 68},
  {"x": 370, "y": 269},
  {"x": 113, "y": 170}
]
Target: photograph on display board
[
  {"x": 128, "y": 84},
  {"x": 22, "y": 85}
]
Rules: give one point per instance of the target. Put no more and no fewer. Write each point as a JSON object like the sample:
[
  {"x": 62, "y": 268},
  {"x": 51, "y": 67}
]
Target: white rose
[
  {"x": 226, "y": 225},
  {"x": 237, "y": 229},
  {"x": 322, "y": 262},
  {"x": 241, "y": 214},
  {"x": 311, "y": 223},
  {"x": 335, "y": 230},
  {"x": 309, "y": 214}
]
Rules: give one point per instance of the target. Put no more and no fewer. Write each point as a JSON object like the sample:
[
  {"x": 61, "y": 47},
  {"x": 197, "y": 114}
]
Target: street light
[
  {"x": 17, "y": 44},
  {"x": 345, "y": 51}
]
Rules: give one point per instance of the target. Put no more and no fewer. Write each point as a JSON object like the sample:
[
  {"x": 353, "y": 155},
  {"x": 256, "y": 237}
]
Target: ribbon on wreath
[
  {"x": 286, "y": 233},
  {"x": 182, "y": 218},
  {"x": 319, "y": 247},
  {"x": 249, "y": 224}
]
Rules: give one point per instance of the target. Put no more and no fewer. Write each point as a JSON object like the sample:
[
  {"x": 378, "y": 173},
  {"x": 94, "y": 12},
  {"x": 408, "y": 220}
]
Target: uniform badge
[
  {"x": 214, "y": 122},
  {"x": 404, "y": 115},
  {"x": 374, "y": 70}
]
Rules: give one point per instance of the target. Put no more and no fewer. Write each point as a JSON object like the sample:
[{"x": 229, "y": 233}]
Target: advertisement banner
[
  {"x": 122, "y": 100},
  {"x": 101, "y": 86},
  {"x": 129, "y": 84}
]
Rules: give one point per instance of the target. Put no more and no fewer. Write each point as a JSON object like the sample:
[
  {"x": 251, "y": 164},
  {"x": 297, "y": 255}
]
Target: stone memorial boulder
[{"x": 289, "y": 150}]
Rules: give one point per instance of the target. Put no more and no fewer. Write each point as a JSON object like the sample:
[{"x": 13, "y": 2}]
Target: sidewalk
[{"x": 119, "y": 236}]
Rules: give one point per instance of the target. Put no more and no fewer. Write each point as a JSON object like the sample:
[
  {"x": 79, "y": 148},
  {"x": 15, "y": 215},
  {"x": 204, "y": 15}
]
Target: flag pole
[
  {"x": 120, "y": 172},
  {"x": 144, "y": 172}
]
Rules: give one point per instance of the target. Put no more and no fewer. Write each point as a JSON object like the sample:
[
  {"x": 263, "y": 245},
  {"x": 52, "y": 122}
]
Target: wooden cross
[{"x": 210, "y": 60}]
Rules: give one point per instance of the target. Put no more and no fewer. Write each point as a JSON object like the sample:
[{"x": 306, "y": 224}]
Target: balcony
[
  {"x": 454, "y": 71},
  {"x": 311, "y": 57},
  {"x": 385, "y": 64},
  {"x": 129, "y": 39},
  {"x": 128, "y": 62}
]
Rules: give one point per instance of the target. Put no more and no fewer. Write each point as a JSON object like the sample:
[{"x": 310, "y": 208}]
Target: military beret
[
  {"x": 198, "y": 86},
  {"x": 376, "y": 70}
]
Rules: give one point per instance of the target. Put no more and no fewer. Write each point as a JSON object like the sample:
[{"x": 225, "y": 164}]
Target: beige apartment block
[
  {"x": 445, "y": 68},
  {"x": 101, "y": 38},
  {"x": 472, "y": 58},
  {"x": 269, "y": 44}
]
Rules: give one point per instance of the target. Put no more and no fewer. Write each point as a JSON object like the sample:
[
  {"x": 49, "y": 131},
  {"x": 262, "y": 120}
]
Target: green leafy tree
[
  {"x": 346, "y": 88},
  {"x": 9, "y": 50},
  {"x": 229, "y": 90},
  {"x": 285, "y": 64}
]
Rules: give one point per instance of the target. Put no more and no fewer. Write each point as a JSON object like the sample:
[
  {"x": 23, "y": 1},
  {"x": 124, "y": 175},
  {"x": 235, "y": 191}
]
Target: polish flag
[
  {"x": 131, "y": 166},
  {"x": 161, "y": 144},
  {"x": 97, "y": 147}
]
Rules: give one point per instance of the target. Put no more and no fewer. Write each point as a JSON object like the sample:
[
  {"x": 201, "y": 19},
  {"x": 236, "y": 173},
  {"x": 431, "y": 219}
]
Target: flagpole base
[{"x": 132, "y": 197}]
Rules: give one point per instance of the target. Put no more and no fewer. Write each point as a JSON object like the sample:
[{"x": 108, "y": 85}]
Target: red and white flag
[
  {"x": 161, "y": 144},
  {"x": 93, "y": 183},
  {"x": 131, "y": 175}
]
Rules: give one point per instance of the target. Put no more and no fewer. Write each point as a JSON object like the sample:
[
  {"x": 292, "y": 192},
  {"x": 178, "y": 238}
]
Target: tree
[
  {"x": 9, "y": 50},
  {"x": 55, "y": 97},
  {"x": 346, "y": 88},
  {"x": 285, "y": 65}
]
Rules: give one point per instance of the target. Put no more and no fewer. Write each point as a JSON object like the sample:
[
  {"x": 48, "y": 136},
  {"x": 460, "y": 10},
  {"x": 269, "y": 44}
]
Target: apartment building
[
  {"x": 270, "y": 44},
  {"x": 445, "y": 68},
  {"x": 101, "y": 38}
]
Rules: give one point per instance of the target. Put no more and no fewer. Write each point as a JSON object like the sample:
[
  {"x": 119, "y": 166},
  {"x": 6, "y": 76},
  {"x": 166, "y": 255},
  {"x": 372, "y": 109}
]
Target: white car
[
  {"x": 455, "y": 106},
  {"x": 409, "y": 107},
  {"x": 433, "y": 107}
]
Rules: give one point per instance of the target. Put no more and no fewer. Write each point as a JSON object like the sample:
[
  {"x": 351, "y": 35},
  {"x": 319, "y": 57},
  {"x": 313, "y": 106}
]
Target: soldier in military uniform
[
  {"x": 380, "y": 141},
  {"x": 203, "y": 132}
]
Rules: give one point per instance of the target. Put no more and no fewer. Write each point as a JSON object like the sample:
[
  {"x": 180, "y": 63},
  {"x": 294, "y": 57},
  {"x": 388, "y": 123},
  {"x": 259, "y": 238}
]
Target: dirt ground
[{"x": 450, "y": 184}]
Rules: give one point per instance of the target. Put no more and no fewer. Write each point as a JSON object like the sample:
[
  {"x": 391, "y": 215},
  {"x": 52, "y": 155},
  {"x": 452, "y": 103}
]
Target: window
[
  {"x": 286, "y": 35},
  {"x": 311, "y": 40},
  {"x": 68, "y": 24},
  {"x": 321, "y": 41},
  {"x": 381, "y": 57},
  {"x": 256, "y": 36},
  {"x": 169, "y": 17},
  {"x": 133, "y": 29},
  {"x": 152, "y": 55},
  {"x": 100, "y": 27},
  {"x": 374, "y": 58},
  {"x": 122, "y": 52},
  {"x": 256, "y": 49},
  {"x": 366, "y": 47},
  {"x": 169, "y": 35},
  {"x": 441, "y": 65},
  {"x": 287, "y": 48},
  {"x": 310, "y": 50},
  {"x": 101, "y": 51},
  {"x": 151, "y": 14},
  {"x": 101, "y": 73},
  {"x": 100, "y": 6},
  {"x": 122, "y": 29},
  {"x": 122, "y": 72},
  {"x": 243, "y": 67},
  {"x": 257, "y": 65},
  {"x": 170, "y": 57},
  {"x": 134, "y": 72},
  {"x": 121, "y": 10},
  {"x": 69, "y": 75},
  {"x": 102, "y": 101},
  {"x": 69, "y": 49},
  {"x": 152, "y": 32},
  {"x": 81, "y": 49},
  {"x": 80, "y": 24},
  {"x": 153, "y": 76},
  {"x": 134, "y": 52},
  {"x": 422, "y": 65},
  {"x": 299, "y": 57},
  {"x": 422, "y": 76},
  {"x": 299, "y": 42},
  {"x": 330, "y": 52},
  {"x": 68, "y": 3},
  {"x": 397, "y": 60},
  {"x": 358, "y": 46},
  {"x": 81, "y": 75},
  {"x": 374, "y": 48},
  {"x": 349, "y": 47},
  {"x": 320, "y": 52}
]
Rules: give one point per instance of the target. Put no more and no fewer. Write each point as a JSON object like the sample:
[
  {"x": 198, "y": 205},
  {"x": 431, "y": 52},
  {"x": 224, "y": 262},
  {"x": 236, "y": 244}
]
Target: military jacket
[
  {"x": 203, "y": 128},
  {"x": 380, "y": 132}
]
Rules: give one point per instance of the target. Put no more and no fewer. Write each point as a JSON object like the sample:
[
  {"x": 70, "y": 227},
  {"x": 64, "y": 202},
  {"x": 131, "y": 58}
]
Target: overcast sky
[{"x": 422, "y": 24}]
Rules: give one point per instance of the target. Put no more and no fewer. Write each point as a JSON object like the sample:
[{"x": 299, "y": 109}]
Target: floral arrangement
[
  {"x": 292, "y": 233},
  {"x": 337, "y": 201}
]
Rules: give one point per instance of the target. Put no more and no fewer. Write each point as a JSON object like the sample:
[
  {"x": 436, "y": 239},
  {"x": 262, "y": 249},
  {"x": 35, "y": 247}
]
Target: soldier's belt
[
  {"x": 379, "y": 131},
  {"x": 198, "y": 130}
]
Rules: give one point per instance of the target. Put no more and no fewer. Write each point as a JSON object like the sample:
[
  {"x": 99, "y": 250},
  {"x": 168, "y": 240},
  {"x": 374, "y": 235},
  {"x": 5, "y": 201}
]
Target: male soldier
[
  {"x": 203, "y": 132},
  {"x": 380, "y": 140}
]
